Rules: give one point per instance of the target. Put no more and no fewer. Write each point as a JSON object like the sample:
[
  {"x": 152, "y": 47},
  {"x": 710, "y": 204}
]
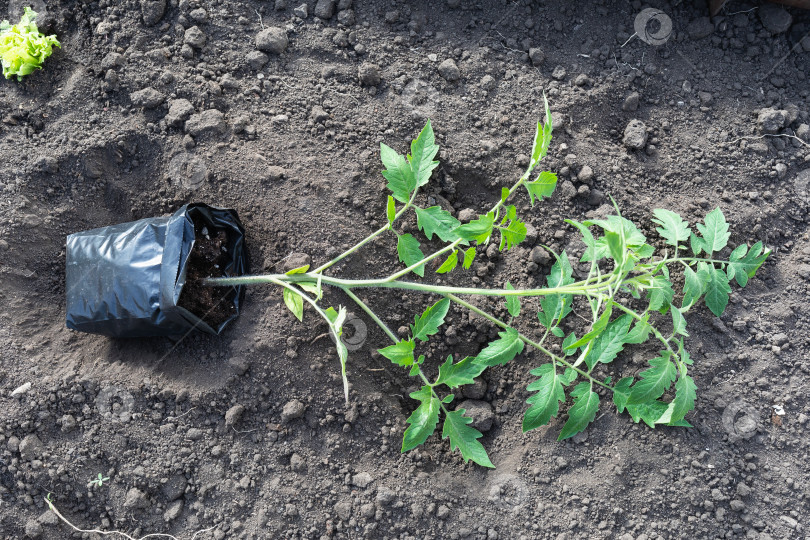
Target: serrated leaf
[
  {"x": 615, "y": 247},
  {"x": 463, "y": 372},
  {"x": 435, "y": 220},
  {"x": 398, "y": 172},
  {"x": 685, "y": 395},
  {"x": 464, "y": 438},
  {"x": 714, "y": 232},
  {"x": 409, "y": 252},
  {"x": 513, "y": 234},
  {"x": 610, "y": 343},
  {"x": 654, "y": 381},
  {"x": 694, "y": 286},
  {"x": 469, "y": 257},
  {"x": 400, "y": 353},
  {"x": 650, "y": 412},
  {"x": 678, "y": 322},
  {"x": 478, "y": 229},
  {"x": 502, "y": 350},
  {"x": 429, "y": 322},
  {"x": 582, "y": 413},
  {"x": 391, "y": 210},
  {"x": 512, "y": 302},
  {"x": 423, "y": 420},
  {"x": 717, "y": 290},
  {"x": 556, "y": 307},
  {"x": 596, "y": 329},
  {"x": 640, "y": 332},
  {"x": 299, "y": 270},
  {"x": 571, "y": 338},
  {"x": 312, "y": 288},
  {"x": 542, "y": 187},
  {"x": 672, "y": 228},
  {"x": 587, "y": 238},
  {"x": 545, "y": 403},
  {"x": 505, "y": 193},
  {"x": 695, "y": 244},
  {"x": 423, "y": 150},
  {"x": 294, "y": 303},
  {"x": 660, "y": 294},
  {"x": 449, "y": 263},
  {"x": 633, "y": 238},
  {"x": 744, "y": 265},
  {"x": 621, "y": 392}
]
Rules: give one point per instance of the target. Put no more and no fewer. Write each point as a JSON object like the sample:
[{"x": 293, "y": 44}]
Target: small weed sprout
[
  {"x": 99, "y": 480},
  {"x": 628, "y": 295}
]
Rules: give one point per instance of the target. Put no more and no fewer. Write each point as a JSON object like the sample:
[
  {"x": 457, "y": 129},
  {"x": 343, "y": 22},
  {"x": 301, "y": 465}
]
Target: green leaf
[
  {"x": 478, "y": 229},
  {"x": 660, "y": 294},
  {"x": 435, "y": 220},
  {"x": 312, "y": 288},
  {"x": 672, "y": 228},
  {"x": 423, "y": 150},
  {"x": 744, "y": 265},
  {"x": 678, "y": 322},
  {"x": 505, "y": 193},
  {"x": 449, "y": 264},
  {"x": 587, "y": 237},
  {"x": 294, "y": 303},
  {"x": 400, "y": 353},
  {"x": 512, "y": 302},
  {"x": 465, "y": 438},
  {"x": 571, "y": 338},
  {"x": 582, "y": 413},
  {"x": 621, "y": 393},
  {"x": 401, "y": 180},
  {"x": 596, "y": 329},
  {"x": 610, "y": 343},
  {"x": 696, "y": 244},
  {"x": 542, "y": 139},
  {"x": 409, "y": 253},
  {"x": 299, "y": 270},
  {"x": 717, "y": 289},
  {"x": 23, "y": 48},
  {"x": 633, "y": 237},
  {"x": 463, "y": 372},
  {"x": 556, "y": 307},
  {"x": 391, "y": 210},
  {"x": 615, "y": 247},
  {"x": 694, "y": 285},
  {"x": 654, "y": 381},
  {"x": 545, "y": 404},
  {"x": 423, "y": 421},
  {"x": 469, "y": 256},
  {"x": 685, "y": 395},
  {"x": 715, "y": 231},
  {"x": 502, "y": 350},
  {"x": 430, "y": 321},
  {"x": 650, "y": 412},
  {"x": 513, "y": 234},
  {"x": 544, "y": 186},
  {"x": 640, "y": 332}
]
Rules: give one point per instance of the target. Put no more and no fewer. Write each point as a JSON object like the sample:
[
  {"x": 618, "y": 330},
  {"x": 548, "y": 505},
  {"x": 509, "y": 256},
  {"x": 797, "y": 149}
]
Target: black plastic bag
[{"x": 126, "y": 280}]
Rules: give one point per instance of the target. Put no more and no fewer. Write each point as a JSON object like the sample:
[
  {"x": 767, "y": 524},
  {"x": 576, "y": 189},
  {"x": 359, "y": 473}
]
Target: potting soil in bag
[{"x": 140, "y": 279}]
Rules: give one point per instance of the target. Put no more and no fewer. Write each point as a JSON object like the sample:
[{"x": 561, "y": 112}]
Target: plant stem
[
  {"x": 371, "y": 314},
  {"x": 526, "y": 339}
]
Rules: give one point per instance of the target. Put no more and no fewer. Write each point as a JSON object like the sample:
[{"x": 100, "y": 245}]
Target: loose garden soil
[{"x": 151, "y": 104}]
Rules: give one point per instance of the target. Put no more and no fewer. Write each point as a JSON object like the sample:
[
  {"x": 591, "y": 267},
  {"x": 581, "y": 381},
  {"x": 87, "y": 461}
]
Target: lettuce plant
[
  {"x": 23, "y": 48},
  {"x": 627, "y": 297}
]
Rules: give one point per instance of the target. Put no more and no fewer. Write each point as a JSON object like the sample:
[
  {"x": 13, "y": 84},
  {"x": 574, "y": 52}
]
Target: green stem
[
  {"x": 526, "y": 339},
  {"x": 578, "y": 288},
  {"x": 368, "y": 238},
  {"x": 371, "y": 314}
]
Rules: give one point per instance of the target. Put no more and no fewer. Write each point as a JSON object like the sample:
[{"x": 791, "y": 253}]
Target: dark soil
[
  {"x": 151, "y": 104},
  {"x": 208, "y": 259}
]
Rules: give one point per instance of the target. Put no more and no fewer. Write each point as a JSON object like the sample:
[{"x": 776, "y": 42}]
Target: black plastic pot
[{"x": 126, "y": 280}]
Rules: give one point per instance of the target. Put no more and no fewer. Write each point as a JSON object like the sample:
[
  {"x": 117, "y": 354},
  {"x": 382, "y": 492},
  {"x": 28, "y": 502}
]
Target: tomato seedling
[{"x": 628, "y": 296}]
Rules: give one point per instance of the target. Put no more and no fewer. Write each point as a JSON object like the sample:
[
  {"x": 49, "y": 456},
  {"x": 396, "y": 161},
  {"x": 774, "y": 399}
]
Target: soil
[
  {"x": 208, "y": 259},
  {"x": 151, "y": 104}
]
